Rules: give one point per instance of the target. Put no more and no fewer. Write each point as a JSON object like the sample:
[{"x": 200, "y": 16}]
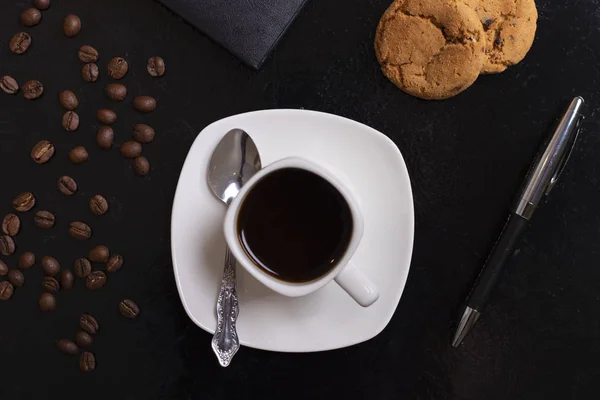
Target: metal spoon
[{"x": 233, "y": 163}]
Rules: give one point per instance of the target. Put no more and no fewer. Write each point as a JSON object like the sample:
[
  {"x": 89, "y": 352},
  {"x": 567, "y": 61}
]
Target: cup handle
[{"x": 357, "y": 285}]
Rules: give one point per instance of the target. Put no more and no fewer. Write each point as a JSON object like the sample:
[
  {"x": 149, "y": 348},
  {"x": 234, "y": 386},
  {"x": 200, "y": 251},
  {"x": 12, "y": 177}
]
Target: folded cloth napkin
[{"x": 249, "y": 29}]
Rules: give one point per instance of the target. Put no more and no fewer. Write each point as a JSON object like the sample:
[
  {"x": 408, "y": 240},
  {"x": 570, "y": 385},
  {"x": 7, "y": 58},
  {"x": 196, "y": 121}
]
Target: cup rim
[{"x": 292, "y": 289}]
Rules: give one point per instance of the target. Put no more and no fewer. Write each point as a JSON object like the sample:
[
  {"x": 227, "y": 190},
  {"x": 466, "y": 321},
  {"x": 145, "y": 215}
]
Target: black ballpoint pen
[{"x": 539, "y": 181}]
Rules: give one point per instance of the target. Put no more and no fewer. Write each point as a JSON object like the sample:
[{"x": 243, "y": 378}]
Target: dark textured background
[{"x": 540, "y": 336}]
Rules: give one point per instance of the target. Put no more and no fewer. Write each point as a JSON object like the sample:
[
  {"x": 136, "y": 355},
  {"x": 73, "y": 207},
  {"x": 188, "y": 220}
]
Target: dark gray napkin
[{"x": 249, "y": 29}]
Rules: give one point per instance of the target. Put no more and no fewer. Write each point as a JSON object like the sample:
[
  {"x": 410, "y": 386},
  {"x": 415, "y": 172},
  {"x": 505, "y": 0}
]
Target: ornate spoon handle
[{"x": 225, "y": 342}]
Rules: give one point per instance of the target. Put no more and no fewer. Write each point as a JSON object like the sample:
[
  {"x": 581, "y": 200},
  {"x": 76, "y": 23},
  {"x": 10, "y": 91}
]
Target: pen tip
[{"x": 467, "y": 321}]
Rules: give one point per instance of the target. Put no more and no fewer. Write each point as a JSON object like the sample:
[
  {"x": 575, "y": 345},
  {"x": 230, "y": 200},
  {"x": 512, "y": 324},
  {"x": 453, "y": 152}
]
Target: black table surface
[{"x": 539, "y": 337}]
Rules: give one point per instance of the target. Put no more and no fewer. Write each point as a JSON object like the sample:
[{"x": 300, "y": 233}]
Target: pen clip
[{"x": 566, "y": 157}]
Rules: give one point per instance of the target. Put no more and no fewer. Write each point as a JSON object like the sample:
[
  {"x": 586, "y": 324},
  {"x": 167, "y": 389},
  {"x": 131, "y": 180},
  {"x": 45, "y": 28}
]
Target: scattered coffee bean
[
  {"x": 16, "y": 278},
  {"x": 156, "y": 66},
  {"x": 78, "y": 155},
  {"x": 131, "y": 149},
  {"x": 24, "y": 202},
  {"x": 87, "y": 362},
  {"x": 32, "y": 89},
  {"x": 70, "y": 121},
  {"x": 9, "y": 85},
  {"x": 20, "y": 43},
  {"x": 80, "y": 231},
  {"x": 44, "y": 219},
  {"x": 144, "y": 104},
  {"x": 31, "y": 17},
  {"x": 83, "y": 339},
  {"x": 11, "y": 224},
  {"x": 82, "y": 267},
  {"x": 99, "y": 254},
  {"x": 129, "y": 309},
  {"x": 67, "y": 185},
  {"x": 71, "y": 25},
  {"x": 43, "y": 151},
  {"x": 67, "y": 346},
  {"x": 41, "y": 4},
  {"x": 50, "y": 265},
  {"x": 143, "y": 133},
  {"x": 116, "y": 91},
  {"x": 89, "y": 72},
  {"x": 141, "y": 166},
  {"x": 67, "y": 279},
  {"x": 27, "y": 260},
  {"x": 68, "y": 100},
  {"x": 105, "y": 137},
  {"x": 3, "y": 268},
  {"x": 117, "y": 68},
  {"x": 89, "y": 324},
  {"x": 47, "y": 302},
  {"x": 7, "y": 245},
  {"x": 88, "y": 54},
  {"x": 98, "y": 205},
  {"x": 50, "y": 285},
  {"x": 106, "y": 116},
  {"x": 95, "y": 280},
  {"x": 6, "y": 290},
  {"x": 114, "y": 263}
]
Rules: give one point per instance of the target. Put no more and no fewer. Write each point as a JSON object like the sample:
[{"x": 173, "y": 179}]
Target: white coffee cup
[{"x": 345, "y": 274}]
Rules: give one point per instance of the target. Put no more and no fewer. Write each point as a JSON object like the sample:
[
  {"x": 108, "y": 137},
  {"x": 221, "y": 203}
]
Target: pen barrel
[{"x": 498, "y": 257}]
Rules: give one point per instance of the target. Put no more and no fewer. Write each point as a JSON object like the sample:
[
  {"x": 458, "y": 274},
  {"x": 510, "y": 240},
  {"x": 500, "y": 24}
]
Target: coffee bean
[
  {"x": 105, "y": 137},
  {"x": 89, "y": 324},
  {"x": 141, "y": 166},
  {"x": 106, "y": 116},
  {"x": 50, "y": 265},
  {"x": 88, "y": 54},
  {"x": 43, "y": 151},
  {"x": 80, "y": 231},
  {"x": 7, "y": 245},
  {"x": 44, "y": 219},
  {"x": 98, "y": 205},
  {"x": 31, "y": 17},
  {"x": 131, "y": 149},
  {"x": 67, "y": 185},
  {"x": 50, "y": 285},
  {"x": 24, "y": 202},
  {"x": 3, "y": 268},
  {"x": 41, "y": 4},
  {"x": 114, "y": 263},
  {"x": 129, "y": 309},
  {"x": 95, "y": 280},
  {"x": 87, "y": 362},
  {"x": 117, "y": 68},
  {"x": 82, "y": 267},
  {"x": 20, "y": 43},
  {"x": 16, "y": 278},
  {"x": 84, "y": 339},
  {"x": 27, "y": 260},
  {"x": 70, "y": 121},
  {"x": 32, "y": 89},
  {"x": 47, "y": 302},
  {"x": 99, "y": 254},
  {"x": 11, "y": 224},
  {"x": 9, "y": 85},
  {"x": 6, "y": 290},
  {"x": 67, "y": 279},
  {"x": 67, "y": 346},
  {"x": 143, "y": 133},
  {"x": 68, "y": 100},
  {"x": 144, "y": 104},
  {"x": 89, "y": 72},
  {"x": 116, "y": 91},
  {"x": 71, "y": 25},
  {"x": 156, "y": 66},
  {"x": 78, "y": 155}
]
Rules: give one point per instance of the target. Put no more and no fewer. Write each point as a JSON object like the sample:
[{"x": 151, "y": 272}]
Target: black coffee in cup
[{"x": 294, "y": 225}]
